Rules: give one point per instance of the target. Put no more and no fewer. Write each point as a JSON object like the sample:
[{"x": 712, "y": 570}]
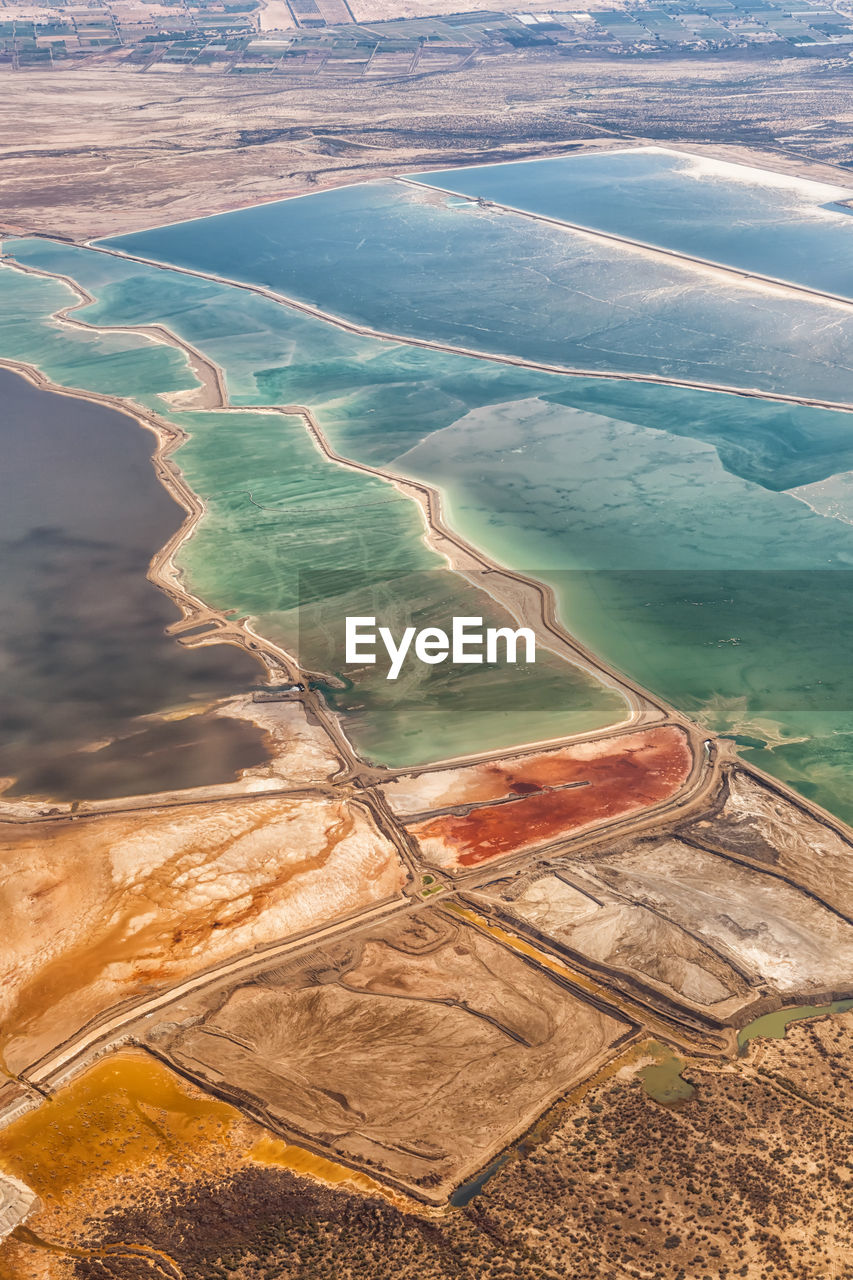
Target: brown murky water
[{"x": 82, "y": 630}]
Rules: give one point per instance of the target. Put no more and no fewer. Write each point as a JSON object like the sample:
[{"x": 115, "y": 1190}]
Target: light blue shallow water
[
  {"x": 408, "y": 262},
  {"x": 746, "y": 218},
  {"x": 381, "y": 398}
]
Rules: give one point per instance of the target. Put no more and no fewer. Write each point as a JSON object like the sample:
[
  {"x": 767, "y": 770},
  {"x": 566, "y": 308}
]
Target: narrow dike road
[{"x": 571, "y": 371}]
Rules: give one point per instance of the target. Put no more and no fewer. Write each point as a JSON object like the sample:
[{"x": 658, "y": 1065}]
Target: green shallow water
[
  {"x": 316, "y": 543},
  {"x": 662, "y": 1080},
  {"x": 687, "y": 534},
  {"x": 774, "y": 1025},
  {"x": 731, "y": 599},
  {"x": 111, "y": 364},
  {"x": 297, "y": 542}
]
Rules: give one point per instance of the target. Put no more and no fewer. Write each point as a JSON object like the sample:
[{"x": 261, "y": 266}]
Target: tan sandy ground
[
  {"x": 275, "y": 16},
  {"x": 301, "y": 752},
  {"x": 414, "y": 1052},
  {"x": 90, "y": 152},
  {"x": 95, "y": 910}
]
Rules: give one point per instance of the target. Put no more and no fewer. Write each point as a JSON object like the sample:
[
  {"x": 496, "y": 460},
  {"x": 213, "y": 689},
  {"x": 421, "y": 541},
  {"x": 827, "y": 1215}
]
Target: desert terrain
[
  {"x": 720, "y": 1184},
  {"x": 365, "y": 1049},
  {"x": 108, "y": 156},
  {"x": 623, "y": 935},
  {"x": 100, "y": 909},
  {"x": 330, "y": 1022},
  {"x": 303, "y": 958}
]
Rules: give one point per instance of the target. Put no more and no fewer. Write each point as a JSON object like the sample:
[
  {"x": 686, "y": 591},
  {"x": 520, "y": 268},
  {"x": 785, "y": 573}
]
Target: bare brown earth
[
  {"x": 748, "y": 1178},
  {"x": 413, "y": 1052},
  {"x": 98, "y": 909},
  {"x": 89, "y": 152}
]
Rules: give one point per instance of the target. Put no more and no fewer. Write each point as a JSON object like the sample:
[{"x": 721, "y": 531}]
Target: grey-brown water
[{"x": 83, "y": 652}]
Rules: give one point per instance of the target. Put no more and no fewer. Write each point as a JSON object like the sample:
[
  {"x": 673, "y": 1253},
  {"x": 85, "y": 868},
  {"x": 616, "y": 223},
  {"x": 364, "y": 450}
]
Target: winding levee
[
  {"x": 570, "y": 371},
  {"x": 278, "y": 663}
]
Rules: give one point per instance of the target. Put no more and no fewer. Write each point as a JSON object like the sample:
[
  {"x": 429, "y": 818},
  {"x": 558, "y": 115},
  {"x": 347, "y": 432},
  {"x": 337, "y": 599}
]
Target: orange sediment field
[
  {"x": 273, "y": 1151},
  {"x": 125, "y": 1113},
  {"x": 97, "y": 910},
  {"x": 558, "y": 792},
  {"x": 126, "y": 1127},
  {"x": 130, "y": 1112}
]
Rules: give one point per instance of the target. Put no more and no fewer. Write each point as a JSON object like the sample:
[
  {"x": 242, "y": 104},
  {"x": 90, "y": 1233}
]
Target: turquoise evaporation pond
[
  {"x": 396, "y": 258},
  {"x": 732, "y": 600},
  {"x": 298, "y": 543},
  {"x": 648, "y": 507},
  {"x": 117, "y": 364},
  {"x": 775, "y": 224}
]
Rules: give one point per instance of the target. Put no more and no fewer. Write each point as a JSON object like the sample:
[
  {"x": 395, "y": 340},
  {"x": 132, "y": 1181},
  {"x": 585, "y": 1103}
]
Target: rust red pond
[{"x": 462, "y": 817}]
